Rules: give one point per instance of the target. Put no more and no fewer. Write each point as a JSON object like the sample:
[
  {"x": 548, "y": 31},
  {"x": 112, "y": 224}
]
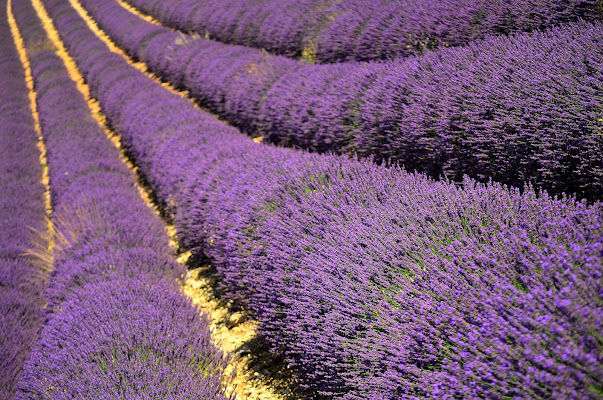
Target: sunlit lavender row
[
  {"x": 525, "y": 108},
  {"x": 22, "y": 212},
  {"x": 115, "y": 324},
  {"x": 373, "y": 282},
  {"x": 333, "y": 31}
]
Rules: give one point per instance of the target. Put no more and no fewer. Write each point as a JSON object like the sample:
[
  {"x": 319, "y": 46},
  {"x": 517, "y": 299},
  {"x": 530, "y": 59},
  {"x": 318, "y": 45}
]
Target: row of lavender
[
  {"x": 373, "y": 282},
  {"x": 486, "y": 110},
  {"x": 21, "y": 211},
  {"x": 116, "y": 324},
  {"x": 333, "y": 31}
]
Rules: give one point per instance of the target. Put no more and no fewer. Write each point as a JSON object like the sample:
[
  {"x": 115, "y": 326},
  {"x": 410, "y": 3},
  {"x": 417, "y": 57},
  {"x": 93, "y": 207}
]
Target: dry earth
[{"x": 256, "y": 373}]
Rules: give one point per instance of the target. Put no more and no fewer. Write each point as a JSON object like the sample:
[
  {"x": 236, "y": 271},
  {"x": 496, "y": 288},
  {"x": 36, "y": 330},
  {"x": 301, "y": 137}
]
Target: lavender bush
[
  {"x": 21, "y": 213},
  {"x": 116, "y": 324},
  {"x": 486, "y": 110},
  {"x": 333, "y": 31},
  {"x": 373, "y": 282}
]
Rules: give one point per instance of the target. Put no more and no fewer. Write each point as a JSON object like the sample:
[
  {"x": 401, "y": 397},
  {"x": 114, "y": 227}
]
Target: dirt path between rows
[
  {"x": 153, "y": 21},
  {"x": 43, "y": 247},
  {"x": 258, "y": 375}
]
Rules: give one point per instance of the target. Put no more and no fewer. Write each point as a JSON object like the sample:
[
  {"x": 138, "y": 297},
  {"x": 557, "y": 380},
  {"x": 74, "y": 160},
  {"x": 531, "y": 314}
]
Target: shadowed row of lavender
[
  {"x": 333, "y": 31},
  {"x": 21, "y": 211},
  {"x": 516, "y": 109},
  {"x": 374, "y": 283},
  {"x": 115, "y": 325}
]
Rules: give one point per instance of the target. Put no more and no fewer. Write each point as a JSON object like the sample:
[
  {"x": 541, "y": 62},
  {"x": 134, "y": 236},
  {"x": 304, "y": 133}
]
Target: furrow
[
  {"x": 228, "y": 332},
  {"x": 43, "y": 250}
]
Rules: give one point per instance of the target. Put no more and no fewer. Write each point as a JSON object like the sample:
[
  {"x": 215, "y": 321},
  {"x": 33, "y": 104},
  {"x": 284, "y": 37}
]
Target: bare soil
[{"x": 257, "y": 374}]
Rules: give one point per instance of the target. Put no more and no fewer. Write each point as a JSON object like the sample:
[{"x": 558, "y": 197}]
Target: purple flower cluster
[
  {"x": 21, "y": 211},
  {"x": 525, "y": 108},
  {"x": 373, "y": 282},
  {"x": 116, "y": 325},
  {"x": 334, "y": 31}
]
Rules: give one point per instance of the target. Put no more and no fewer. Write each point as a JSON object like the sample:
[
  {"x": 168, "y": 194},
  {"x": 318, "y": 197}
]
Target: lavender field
[{"x": 388, "y": 199}]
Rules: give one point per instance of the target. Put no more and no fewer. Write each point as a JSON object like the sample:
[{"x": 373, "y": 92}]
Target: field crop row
[
  {"x": 116, "y": 324},
  {"x": 373, "y": 282},
  {"x": 332, "y": 31},
  {"x": 486, "y": 110},
  {"x": 21, "y": 212}
]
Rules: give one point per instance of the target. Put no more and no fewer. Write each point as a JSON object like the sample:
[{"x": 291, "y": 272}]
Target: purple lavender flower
[
  {"x": 22, "y": 212},
  {"x": 486, "y": 110},
  {"x": 335, "y": 31},
  {"x": 116, "y": 323},
  {"x": 373, "y": 282}
]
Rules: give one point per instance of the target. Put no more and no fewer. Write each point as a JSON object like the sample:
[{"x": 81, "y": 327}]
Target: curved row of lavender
[
  {"x": 116, "y": 324},
  {"x": 21, "y": 211},
  {"x": 334, "y": 31},
  {"x": 373, "y": 282},
  {"x": 518, "y": 109}
]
